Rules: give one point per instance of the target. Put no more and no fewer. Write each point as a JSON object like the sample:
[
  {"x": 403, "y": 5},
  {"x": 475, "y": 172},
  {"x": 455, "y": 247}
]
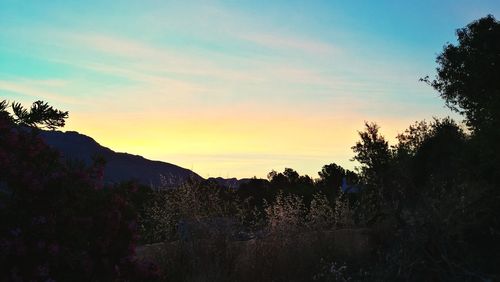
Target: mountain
[{"x": 119, "y": 166}]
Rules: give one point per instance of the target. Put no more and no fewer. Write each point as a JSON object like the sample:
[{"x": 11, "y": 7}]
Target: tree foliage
[
  {"x": 372, "y": 151},
  {"x": 467, "y": 73},
  {"x": 40, "y": 115}
]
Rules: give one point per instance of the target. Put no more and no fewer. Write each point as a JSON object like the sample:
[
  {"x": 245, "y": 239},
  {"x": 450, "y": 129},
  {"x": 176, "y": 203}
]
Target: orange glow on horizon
[{"x": 238, "y": 146}]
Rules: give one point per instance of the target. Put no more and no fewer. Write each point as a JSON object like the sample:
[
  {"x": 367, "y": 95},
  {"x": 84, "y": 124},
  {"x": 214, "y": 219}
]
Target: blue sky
[{"x": 231, "y": 88}]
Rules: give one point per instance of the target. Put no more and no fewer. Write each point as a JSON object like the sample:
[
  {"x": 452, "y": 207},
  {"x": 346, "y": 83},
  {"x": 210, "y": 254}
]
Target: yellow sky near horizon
[{"x": 234, "y": 146}]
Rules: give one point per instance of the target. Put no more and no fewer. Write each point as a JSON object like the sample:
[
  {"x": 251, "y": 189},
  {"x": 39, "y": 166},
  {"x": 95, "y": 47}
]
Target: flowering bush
[
  {"x": 321, "y": 214},
  {"x": 286, "y": 214},
  {"x": 343, "y": 212},
  {"x": 191, "y": 201},
  {"x": 57, "y": 220}
]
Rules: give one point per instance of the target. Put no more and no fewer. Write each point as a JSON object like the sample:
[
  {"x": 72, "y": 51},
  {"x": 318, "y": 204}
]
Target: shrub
[
  {"x": 58, "y": 221},
  {"x": 286, "y": 214},
  {"x": 321, "y": 214}
]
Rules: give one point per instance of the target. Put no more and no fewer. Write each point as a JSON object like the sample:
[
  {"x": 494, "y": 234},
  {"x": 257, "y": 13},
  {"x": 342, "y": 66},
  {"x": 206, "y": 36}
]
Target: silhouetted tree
[
  {"x": 256, "y": 190},
  {"x": 427, "y": 155},
  {"x": 439, "y": 158},
  {"x": 468, "y": 74},
  {"x": 40, "y": 115},
  {"x": 330, "y": 180},
  {"x": 331, "y": 176},
  {"x": 291, "y": 175},
  {"x": 373, "y": 153},
  {"x": 440, "y": 182},
  {"x": 289, "y": 181}
]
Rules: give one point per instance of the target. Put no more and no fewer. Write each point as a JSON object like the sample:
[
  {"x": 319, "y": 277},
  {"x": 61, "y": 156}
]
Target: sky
[{"x": 231, "y": 88}]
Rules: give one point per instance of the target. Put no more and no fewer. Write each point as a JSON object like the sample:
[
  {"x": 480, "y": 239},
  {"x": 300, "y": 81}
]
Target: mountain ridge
[{"x": 119, "y": 166}]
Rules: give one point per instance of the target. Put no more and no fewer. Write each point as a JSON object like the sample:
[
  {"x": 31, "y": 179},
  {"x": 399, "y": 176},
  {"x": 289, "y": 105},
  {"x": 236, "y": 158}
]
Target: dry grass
[{"x": 277, "y": 257}]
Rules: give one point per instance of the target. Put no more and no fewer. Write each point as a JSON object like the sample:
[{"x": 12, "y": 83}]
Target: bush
[{"x": 58, "y": 221}]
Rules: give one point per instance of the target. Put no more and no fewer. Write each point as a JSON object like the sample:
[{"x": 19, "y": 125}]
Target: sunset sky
[{"x": 231, "y": 88}]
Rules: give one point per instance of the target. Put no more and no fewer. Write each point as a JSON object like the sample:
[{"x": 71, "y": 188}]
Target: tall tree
[
  {"x": 468, "y": 74},
  {"x": 373, "y": 153}
]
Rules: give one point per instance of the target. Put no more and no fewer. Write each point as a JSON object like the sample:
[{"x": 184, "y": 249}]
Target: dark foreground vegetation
[{"x": 424, "y": 209}]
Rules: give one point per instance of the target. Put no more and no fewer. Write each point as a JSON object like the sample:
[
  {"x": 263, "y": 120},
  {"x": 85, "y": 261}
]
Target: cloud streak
[
  {"x": 282, "y": 44},
  {"x": 49, "y": 90}
]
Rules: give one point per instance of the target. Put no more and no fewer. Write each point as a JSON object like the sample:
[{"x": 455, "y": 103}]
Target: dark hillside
[{"x": 119, "y": 166}]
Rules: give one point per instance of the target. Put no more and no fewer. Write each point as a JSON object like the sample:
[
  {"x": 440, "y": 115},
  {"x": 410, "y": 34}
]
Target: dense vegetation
[
  {"x": 58, "y": 221},
  {"x": 430, "y": 201}
]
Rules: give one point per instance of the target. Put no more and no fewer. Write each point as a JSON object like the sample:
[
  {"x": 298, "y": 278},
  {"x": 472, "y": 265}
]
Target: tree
[
  {"x": 291, "y": 175},
  {"x": 284, "y": 179},
  {"x": 411, "y": 139},
  {"x": 40, "y": 115},
  {"x": 372, "y": 151},
  {"x": 439, "y": 160},
  {"x": 468, "y": 74},
  {"x": 331, "y": 176}
]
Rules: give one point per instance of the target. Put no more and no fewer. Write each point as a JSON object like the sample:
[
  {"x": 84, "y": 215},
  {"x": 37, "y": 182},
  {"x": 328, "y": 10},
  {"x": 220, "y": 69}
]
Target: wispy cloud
[
  {"x": 162, "y": 73},
  {"x": 50, "y": 90},
  {"x": 283, "y": 43}
]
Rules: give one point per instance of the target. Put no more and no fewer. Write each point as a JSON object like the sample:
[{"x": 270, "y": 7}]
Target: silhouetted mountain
[{"x": 119, "y": 166}]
